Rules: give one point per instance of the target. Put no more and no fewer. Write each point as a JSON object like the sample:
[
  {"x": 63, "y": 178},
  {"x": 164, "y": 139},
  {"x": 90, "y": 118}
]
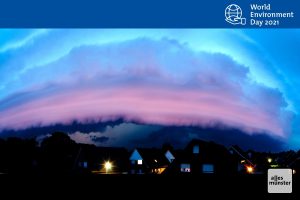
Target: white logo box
[{"x": 280, "y": 180}]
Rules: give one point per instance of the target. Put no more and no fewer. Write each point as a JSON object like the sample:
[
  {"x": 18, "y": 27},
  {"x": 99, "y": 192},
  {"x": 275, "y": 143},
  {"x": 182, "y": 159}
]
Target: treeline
[{"x": 24, "y": 156}]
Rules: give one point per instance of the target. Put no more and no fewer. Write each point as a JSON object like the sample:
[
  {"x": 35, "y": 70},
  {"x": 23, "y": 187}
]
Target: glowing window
[
  {"x": 85, "y": 164},
  {"x": 208, "y": 168},
  {"x": 140, "y": 162},
  {"x": 185, "y": 167},
  {"x": 196, "y": 149}
]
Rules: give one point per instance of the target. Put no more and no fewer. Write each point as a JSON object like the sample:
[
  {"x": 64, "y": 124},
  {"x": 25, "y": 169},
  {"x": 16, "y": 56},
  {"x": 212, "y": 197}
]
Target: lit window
[
  {"x": 208, "y": 168},
  {"x": 85, "y": 164},
  {"x": 140, "y": 162},
  {"x": 185, "y": 167},
  {"x": 196, "y": 149}
]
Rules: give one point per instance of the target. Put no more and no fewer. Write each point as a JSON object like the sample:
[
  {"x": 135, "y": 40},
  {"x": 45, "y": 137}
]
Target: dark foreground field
[{"x": 144, "y": 186}]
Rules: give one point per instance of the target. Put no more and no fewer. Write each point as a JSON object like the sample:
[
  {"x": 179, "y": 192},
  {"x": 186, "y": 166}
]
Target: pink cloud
[{"x": 166, "y": 106}]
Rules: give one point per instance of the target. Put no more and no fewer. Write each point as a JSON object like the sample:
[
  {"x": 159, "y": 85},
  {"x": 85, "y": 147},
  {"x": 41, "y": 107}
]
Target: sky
[{"x": 245, "y": 79}]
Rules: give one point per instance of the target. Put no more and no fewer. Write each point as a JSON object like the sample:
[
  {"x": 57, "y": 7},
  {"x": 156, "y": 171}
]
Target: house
[
  {"x": 149, "y": 161},
  {"x": 201, "y": 157},
  {"x": 242, "y": 160}
]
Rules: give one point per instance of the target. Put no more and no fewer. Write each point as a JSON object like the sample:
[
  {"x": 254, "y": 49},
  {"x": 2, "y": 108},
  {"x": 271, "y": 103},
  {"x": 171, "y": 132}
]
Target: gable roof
[
  {"x": 169, "y": 155},
  {"x": 241, "y": 154},
  {"x": 135, "y": 155},
  {"x": 207, "y": 149},
  {"x": 151, "y": 157}
]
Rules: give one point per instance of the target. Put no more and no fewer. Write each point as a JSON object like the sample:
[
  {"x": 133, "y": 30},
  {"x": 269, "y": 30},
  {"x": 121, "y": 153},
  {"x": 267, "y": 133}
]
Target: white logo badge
[
  {"x": 280, "y": 180},
  {"x": 233, "y": 15}
]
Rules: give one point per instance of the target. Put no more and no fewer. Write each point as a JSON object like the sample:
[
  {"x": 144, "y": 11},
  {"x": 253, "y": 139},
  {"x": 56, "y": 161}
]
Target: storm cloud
[{"x": 161, "y": 82}]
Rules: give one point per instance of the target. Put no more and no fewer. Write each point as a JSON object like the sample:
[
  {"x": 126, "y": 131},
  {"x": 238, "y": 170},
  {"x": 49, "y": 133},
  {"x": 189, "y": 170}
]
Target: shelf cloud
[{"x": 150, "y": 81}]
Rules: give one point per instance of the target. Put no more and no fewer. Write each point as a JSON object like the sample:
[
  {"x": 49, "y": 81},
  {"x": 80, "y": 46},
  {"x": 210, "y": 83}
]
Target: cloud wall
[{"x": 150, "y": 81}]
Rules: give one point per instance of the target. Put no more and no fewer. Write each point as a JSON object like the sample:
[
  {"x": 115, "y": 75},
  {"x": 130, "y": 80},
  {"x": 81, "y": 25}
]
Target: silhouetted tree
[
  {"x": 167, "y": 146},
  {"x": 58, "y": 153}
]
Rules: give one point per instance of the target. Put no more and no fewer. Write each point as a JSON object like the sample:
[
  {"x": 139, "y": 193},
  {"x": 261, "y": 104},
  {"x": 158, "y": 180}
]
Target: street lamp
[
  {"x": 107, "y": 166},
  {"x": 269, "y": 160},
  {"x": 250, "y": 169}
]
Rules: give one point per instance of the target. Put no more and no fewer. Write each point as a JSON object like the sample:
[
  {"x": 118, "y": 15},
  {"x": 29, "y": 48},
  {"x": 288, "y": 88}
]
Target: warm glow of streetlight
[
  {"x": 269, "y": 160},
  {"x": 250, "y": 169},
  {"x": 107, "y": 166}
]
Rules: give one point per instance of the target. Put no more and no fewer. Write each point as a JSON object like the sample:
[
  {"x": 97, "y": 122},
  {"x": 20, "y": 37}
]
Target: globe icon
[
  {"x": 233, "y": 10},
  {"x": 233, "y": 14}
]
